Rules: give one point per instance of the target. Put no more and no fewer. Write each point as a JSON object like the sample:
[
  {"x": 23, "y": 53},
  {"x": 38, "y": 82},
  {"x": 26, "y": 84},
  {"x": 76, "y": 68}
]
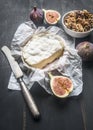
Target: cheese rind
[{"x": 42, "y": 50}]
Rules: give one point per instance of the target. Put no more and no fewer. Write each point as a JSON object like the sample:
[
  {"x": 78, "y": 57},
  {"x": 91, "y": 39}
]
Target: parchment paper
[{"x": 69, "y": 64}]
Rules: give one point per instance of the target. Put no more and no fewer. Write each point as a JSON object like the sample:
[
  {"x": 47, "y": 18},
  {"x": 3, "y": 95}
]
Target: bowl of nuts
[{"x": 78, "y": 23}]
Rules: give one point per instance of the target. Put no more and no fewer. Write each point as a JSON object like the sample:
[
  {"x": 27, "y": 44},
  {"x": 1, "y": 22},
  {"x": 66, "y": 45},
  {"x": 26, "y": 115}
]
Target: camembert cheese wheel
[{"x": 41, "y": 50}]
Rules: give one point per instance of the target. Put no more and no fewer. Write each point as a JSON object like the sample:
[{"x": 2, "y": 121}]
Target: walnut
[{"x": 79, "y": 21}]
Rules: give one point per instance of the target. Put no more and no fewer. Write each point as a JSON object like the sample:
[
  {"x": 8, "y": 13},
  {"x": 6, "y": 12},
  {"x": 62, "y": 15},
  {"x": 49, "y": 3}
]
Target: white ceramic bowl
[{"x": 74, "y": 33}]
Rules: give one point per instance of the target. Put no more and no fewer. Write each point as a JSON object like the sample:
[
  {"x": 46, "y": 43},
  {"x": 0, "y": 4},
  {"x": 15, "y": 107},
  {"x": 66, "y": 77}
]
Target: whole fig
[
  {"x": 36, "y": 15},
  {"x": 85, "y": 50}
]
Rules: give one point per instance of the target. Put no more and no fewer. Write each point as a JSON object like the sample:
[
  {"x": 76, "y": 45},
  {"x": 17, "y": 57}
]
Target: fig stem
[
  {"x": 50, "y": 75},
  {"x": 44, "y": 10},
  {"x": 35, "y": 8}
]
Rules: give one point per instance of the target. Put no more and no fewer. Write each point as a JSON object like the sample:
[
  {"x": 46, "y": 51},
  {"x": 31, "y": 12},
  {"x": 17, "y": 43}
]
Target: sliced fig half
[
  {"x": 61, "y": 86},
  {"x": 51, "y": 16}
]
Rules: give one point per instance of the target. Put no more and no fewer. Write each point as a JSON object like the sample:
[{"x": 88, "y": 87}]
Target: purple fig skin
[
  {"x": 85, "y": 50},
  {"x": 36, "y": 15}
]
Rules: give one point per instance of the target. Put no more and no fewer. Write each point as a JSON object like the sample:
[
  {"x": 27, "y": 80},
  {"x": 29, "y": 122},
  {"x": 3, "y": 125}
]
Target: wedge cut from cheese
[{"x": 42, "y": 50}]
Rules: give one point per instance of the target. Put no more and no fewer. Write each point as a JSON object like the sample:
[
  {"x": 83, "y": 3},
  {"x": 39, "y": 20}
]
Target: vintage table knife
[{"x": 19, "y": 74}]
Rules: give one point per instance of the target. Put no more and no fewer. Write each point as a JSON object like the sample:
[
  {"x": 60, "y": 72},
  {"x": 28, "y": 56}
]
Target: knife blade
[{"x": 19, "y": 74}]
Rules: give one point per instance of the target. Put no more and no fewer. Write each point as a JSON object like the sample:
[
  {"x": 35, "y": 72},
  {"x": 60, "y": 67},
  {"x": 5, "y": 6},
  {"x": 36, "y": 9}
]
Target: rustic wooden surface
[{"x": 75, "y": 113}]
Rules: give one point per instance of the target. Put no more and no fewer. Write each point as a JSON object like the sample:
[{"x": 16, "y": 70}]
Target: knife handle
[{"x": 29, "y": 99}]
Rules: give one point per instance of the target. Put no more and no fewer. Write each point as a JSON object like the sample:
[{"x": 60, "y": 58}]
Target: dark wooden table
[{"x": 75, "y": 113}]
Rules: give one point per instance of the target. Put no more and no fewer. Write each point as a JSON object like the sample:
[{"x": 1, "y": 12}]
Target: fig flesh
[
  {"x": 61, "y": 86},
  {"x": 51, "y": 16},
  {"x": 85, "y": 50}
]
